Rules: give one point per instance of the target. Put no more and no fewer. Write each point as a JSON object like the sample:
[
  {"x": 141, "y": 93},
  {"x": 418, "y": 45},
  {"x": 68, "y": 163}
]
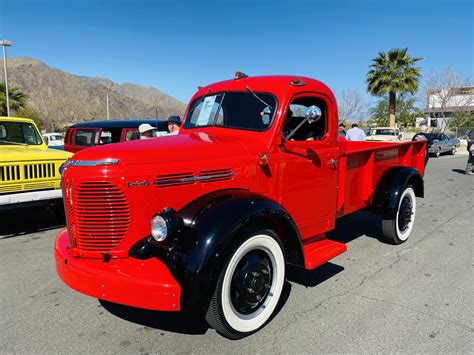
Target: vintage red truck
[{"x": 211, "y": 217}]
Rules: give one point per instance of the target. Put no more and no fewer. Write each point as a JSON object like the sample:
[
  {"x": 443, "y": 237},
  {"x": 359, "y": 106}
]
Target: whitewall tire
[
  {"x": 397, "y": 229},
  {"x": 249, "y": 286}
]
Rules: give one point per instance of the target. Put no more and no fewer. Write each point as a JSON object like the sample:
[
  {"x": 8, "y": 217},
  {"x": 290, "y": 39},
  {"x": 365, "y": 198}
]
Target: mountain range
[{"x": 60, "y": 98}]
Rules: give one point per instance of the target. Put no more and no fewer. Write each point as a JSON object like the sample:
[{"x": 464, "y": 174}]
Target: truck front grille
[
  {"x": 101, "y": 215},
  {"x": 13, "y": 173}
]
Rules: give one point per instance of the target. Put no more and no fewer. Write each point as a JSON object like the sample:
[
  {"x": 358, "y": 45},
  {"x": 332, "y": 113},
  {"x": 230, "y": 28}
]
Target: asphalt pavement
[{"x": 413, "y": 298}]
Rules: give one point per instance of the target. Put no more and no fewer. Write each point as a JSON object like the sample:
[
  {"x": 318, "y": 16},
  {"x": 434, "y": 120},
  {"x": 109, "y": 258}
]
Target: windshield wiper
[
  {"x": 13, "y": 143},
  {"x": 258, "y": 98}
]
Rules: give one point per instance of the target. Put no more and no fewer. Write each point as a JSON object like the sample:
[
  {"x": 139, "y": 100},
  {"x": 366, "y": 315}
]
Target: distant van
[{"x": 91, "y": 134}]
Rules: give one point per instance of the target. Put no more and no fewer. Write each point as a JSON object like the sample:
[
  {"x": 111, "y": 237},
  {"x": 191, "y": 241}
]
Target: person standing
[
  {"x": 341, "y": 130},
  {"x": 355, "y": 133},
  {"x": 146, "y": 131},
  {"x": 423, "y": 134},
  {"x": 470, "y": 150},
  {"x": 174, "y": 123}
]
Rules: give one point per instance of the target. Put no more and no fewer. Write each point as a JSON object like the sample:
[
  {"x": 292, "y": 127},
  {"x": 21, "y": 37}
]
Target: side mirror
[{"x": 312, "y": 114}]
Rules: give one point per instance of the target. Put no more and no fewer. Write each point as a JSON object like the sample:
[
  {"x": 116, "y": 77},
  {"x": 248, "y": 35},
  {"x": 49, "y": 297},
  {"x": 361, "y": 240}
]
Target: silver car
[{"x": 440, "y": 143}]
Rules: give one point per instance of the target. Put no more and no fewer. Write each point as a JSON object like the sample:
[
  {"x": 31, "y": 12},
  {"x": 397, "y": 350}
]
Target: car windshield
[
  {"x": 433, "y": 137},
  {"x": 384, "y": 132},
  {"x": 19, "y": 133},
  {"x": 241, "y": 110}
]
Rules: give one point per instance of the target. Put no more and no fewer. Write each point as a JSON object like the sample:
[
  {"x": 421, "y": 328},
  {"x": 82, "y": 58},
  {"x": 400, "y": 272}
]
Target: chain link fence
[{"x": 459, "y": 132}]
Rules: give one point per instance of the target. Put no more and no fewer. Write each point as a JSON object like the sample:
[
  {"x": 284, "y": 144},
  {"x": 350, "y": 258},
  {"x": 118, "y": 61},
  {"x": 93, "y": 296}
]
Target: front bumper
[
  {"x": 29, "y": 197},
  {"x": 139, "y": 283}
]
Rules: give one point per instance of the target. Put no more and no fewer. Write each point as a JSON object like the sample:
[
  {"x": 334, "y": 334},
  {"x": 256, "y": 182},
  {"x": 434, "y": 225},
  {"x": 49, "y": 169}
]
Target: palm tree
[
  {"x": 393, "y": 73},
  {"x": 16, "y": 99}
]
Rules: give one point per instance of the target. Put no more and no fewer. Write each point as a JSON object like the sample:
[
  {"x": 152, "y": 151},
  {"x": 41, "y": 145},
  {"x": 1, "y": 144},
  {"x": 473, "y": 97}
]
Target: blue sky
[{"x": 178, "y": 45}]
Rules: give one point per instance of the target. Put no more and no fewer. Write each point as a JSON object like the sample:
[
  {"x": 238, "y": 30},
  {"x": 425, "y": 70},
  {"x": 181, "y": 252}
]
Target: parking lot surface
[{"x": 415, "y": 297}]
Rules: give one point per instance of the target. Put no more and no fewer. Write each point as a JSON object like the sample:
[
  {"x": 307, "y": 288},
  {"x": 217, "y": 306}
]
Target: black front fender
[{"x": 212, "y": 228}]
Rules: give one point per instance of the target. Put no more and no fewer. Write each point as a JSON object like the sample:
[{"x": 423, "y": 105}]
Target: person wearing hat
[
  {"x": 174, "y": 122},
  {"x": 146, "y": 131}
]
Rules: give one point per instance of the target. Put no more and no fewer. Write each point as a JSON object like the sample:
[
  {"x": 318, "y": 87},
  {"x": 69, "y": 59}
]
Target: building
[{"x": 444, "y": 104}]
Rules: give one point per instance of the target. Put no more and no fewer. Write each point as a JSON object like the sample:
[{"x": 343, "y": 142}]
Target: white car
[
  {"x": 385, "y": 134},
  {"x": 54, "y": 139}
]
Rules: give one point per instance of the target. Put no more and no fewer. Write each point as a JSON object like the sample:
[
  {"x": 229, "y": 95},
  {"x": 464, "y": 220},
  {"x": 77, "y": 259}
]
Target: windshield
[
  {"x": 14, "y": 133},
  {"x": 384, "y": 132},
  {"x": 240, "y": 110}
]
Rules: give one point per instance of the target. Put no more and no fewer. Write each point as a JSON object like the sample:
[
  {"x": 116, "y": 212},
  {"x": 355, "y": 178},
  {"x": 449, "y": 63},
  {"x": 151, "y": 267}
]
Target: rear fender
[{"x": 391, "y": 186}]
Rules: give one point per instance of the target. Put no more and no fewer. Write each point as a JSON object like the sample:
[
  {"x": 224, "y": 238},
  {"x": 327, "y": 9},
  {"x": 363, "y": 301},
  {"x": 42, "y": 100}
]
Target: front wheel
[
  {"x": 453, "y": 150},
  {"x": 396, "y": 229},
  {"x": 438, "y": 152},
  {"x": 249, "y": 287}
]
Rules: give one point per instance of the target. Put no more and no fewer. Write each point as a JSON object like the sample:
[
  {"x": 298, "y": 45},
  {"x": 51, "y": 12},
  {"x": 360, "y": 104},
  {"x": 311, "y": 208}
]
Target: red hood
[{"x": 177, "y": 148}]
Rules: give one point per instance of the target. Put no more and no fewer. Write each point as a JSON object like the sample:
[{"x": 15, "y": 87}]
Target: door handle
[{"x": 332, "y": 162}]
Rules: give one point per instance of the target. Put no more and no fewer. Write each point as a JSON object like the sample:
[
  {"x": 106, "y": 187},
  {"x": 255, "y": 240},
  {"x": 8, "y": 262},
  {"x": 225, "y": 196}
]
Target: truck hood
[
  {"x": 168, "y": 149},
  {"x": 24, "y": 153}
]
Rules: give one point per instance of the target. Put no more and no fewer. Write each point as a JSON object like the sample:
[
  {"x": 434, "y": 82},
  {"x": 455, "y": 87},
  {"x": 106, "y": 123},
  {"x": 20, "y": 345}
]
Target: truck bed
[{"x": 362, "y": 164}]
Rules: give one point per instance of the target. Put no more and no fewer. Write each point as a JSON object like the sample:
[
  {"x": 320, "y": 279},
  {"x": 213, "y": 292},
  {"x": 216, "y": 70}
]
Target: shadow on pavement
[
  {"x": 356, "y": 225},
  {"x": 187, "y": 321},
  {"x": 30, "y": 220},
  {"x": 312, "y": 278},
  {"x": 459, "y": 171}
]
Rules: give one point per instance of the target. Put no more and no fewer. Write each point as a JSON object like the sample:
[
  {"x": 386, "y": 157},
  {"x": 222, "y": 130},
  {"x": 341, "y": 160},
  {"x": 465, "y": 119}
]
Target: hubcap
[
  {"x": 405, "y": 213},
  {"x": 251, "y": 282}
]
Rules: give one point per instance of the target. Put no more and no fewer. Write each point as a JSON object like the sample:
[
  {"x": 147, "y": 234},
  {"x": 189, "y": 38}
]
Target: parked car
[
  {"x": 29, "y": 170},
  {"x": 384, "y": 134},
  {"x": 209, "y": 218},
  {"x": 90, "y": 134},
  {"x": 439, "y": 143},
  {"x": 54, "y": 139}
]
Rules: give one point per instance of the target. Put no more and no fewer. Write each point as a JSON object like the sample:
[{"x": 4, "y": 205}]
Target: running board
[{"x": 320, "y": 252}]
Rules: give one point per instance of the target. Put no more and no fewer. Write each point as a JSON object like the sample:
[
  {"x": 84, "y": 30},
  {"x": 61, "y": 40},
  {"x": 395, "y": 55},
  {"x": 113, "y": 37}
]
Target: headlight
[
  {"x": 159, "y": 228},
  {"x": 165, "y": 224}
]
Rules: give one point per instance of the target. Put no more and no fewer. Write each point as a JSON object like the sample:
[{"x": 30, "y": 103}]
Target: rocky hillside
[{"x": 61, "y": 98}]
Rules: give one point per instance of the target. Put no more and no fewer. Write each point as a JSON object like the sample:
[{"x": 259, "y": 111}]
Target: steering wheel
[{"x": 16, "y": 139}]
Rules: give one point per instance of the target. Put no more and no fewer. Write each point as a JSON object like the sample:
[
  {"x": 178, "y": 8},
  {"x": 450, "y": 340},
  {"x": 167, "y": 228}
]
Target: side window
[
  {"x": 131, "y": 134},
  {"x": 105, "y": 137},
  {"x": 296, "y": 115},
  {"x": 86, "y": 137}
]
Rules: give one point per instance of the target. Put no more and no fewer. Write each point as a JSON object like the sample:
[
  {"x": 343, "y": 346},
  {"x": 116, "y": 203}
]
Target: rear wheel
[
  {"x": 438, "y": 152},
  {"x": 249, "y": 286},
  {"x": 397, "y": 229},
  {"x": 453, "y": 150}
]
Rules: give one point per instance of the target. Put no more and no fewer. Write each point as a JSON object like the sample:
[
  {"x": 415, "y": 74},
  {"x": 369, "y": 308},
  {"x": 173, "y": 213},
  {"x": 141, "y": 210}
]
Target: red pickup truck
[{"x": 211, "y": 217}]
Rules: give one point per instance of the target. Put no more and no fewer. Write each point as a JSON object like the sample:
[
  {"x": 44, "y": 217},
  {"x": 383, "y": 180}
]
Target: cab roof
[
  {"x": 279, "y": 85},
  {"x": 119, "y": 124},
  {"x": 16, "y": 119}
]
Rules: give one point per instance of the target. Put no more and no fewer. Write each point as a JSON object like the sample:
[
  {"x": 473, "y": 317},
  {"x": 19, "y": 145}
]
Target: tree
[
  {"x": 406, "y": 111},
  {"x": 393, "y": 73},
  {"x": 450, "y": 96},
  {"x": 351, "y": 106},
  {"x": 16, "y": 99}
]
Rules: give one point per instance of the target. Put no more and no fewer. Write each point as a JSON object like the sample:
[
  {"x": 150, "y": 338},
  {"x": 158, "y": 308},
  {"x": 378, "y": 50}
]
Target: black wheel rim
[
  {"x": 251, "y": 282},
  {"x": 405, "y": 213}
]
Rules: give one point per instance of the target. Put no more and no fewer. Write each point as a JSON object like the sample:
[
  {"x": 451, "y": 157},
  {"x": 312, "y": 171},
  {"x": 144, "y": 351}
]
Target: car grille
[
  {"x": 101, "y": 216},
  {"x": 13, "y": 173}
]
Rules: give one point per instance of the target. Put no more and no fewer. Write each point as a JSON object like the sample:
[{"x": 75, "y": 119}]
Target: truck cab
[{"x": 210, "y": 218}]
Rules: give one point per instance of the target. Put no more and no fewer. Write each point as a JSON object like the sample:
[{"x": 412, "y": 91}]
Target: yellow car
[{"x": 29, "y": 170}]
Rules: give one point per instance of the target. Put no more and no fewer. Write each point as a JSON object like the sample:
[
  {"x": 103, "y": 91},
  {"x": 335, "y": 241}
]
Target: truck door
[{"x": 307, "y": 163}]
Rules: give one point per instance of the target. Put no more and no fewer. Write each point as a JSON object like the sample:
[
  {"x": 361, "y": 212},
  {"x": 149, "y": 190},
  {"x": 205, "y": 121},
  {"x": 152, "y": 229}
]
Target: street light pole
[
  {"x": 5, "y": 43},
  {"x": 107, "y": 106}
]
